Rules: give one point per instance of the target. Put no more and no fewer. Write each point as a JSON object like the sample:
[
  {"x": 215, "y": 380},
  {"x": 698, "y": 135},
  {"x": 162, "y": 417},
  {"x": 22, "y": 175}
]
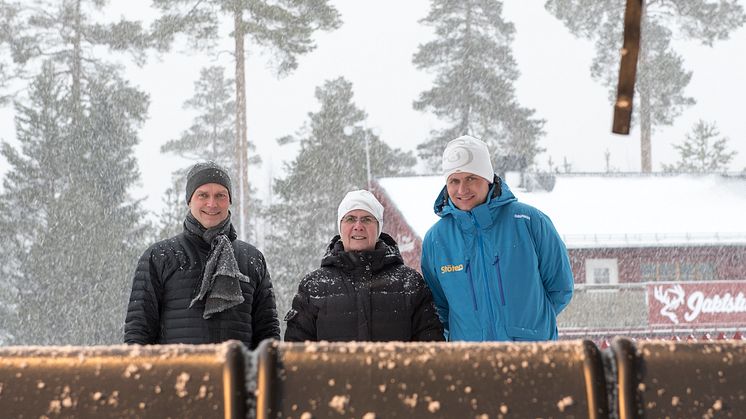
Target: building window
[
  {"x": 667, "y": 272},
  {"x": 601, "y": 271},
  {"x": 601, "y": 275},
  {"x": 649, "y": 272},
  {"x": 677, "y": 271}
]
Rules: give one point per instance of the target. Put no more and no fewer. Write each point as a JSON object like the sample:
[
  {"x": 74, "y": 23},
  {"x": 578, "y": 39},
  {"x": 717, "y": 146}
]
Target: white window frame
[{"x": 592, "y": 264}]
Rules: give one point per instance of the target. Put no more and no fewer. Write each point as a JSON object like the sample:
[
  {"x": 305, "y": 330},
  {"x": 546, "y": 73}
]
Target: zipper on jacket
[
  {"x": 487, "y": 285},
  {"x": 499, "y": 279},
  {"x": 471, "y": 284}
]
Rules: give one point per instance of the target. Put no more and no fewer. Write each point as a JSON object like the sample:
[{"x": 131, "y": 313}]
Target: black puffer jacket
[
  {"x": 168, "y": 277},
  {"x": 363, "y": 296}
]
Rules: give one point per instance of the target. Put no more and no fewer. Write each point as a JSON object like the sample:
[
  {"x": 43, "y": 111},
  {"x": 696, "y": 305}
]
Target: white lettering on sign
[
  {"x": 699, "y": 303},
  {"x": 675, "y": 300}
]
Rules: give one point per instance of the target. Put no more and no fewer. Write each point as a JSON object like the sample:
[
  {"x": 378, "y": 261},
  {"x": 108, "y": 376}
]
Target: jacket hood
[
  {"x": 499, "y": 195},
  {"x": 386, "y": 253}
]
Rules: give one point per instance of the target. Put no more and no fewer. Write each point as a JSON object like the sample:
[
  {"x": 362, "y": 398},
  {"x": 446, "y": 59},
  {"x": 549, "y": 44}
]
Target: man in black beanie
[
  {"x": 203, "y": 285},
  {"x": 204, "y": 178}
]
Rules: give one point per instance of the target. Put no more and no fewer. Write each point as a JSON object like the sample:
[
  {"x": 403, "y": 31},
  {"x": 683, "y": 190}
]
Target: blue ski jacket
[{"x": 499, "y": 272}]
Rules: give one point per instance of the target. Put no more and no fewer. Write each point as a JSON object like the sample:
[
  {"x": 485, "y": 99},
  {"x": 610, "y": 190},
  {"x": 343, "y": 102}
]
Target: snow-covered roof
[{"x": 611, "y": 210}]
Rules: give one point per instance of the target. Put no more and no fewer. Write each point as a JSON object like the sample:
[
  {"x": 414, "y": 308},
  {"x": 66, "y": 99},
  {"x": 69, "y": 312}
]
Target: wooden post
[{"x": 628, "y": 67}]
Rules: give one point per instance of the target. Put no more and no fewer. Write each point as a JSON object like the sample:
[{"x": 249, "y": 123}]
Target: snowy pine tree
[
  {"x": 210, "y": 137},
  {"x": 660, "y": 95},
  {"x": 74, "y": 232},
  {"x": 72, "y": 226},
  {"x": 212, "y": 134},
  {"x": 67, "y": 33},
  {"x": 473, "y": 92},
  {"x": 9, "y": 26},
  {"x": 170, "y": 221},
  {"x": 285, "y": 28},
  {"x": 702, "y": 151},
  {"x": 329, "y": 164}
]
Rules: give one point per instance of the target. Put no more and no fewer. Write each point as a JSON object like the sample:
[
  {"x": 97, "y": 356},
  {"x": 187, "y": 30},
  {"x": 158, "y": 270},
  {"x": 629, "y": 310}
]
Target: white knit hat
[
  {"x": 467, "y": 154},
  {"x": 360, "y": 200}
]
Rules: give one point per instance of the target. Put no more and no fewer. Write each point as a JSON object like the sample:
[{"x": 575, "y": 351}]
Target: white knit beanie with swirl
[{"x": 467, "y": 154}]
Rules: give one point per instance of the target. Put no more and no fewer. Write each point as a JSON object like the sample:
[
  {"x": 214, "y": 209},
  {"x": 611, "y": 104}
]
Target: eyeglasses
[{"x": 364, "y": 220}]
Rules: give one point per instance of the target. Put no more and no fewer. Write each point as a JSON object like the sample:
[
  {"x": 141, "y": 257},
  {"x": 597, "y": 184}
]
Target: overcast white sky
[{"x": 374, "y": 48}]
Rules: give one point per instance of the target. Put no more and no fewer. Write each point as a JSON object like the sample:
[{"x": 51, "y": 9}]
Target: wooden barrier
[
  {"x": 176, "y": 381},
  {"x": 658, "y": 379},
  {"x": 564, "y": 379},
  {"x": 450, "y": 380}
]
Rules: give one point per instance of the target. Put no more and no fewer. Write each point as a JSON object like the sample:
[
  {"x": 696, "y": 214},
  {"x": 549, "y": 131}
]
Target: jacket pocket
[
  {"x": 500, "y": 289},
  {"x": 519, "y": 334},
  {"x": 458, "y": 285}
]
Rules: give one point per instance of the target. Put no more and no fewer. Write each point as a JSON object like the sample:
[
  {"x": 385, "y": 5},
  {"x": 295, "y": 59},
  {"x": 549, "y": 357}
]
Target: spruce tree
[
  {"x": 702, "y": 151},
  {"x": 660, "y": 95},
  {"x": 284, "y": 27},
  {"x": 170, "y": 219},
  {"x": 67, "y": 33},
  {"x": 9, "y": 24},
  {"x": 212, "y": 133},
  {"x": 210, "y": 137},
  {"x": 75, "y": 232},
  {"x": 329, "y": 164},
  {"x": 473, "y": 92}
]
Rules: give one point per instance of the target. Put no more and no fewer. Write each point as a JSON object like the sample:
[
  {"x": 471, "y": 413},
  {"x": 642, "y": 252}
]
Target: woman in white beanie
[
  {"x": 362, "y": 291},
  {"x": 497, "y": 268}
]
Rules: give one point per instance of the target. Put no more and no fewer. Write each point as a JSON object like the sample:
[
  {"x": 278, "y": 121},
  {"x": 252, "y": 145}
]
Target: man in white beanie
[
  {"x": 497, "y": 268},
  {"x": 362, "y": 291}
]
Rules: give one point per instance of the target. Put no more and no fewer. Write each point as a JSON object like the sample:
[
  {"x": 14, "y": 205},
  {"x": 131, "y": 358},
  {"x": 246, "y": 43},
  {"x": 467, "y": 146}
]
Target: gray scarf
[{"x": 220, "y": 286}]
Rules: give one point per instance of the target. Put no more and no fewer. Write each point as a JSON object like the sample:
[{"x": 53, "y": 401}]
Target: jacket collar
[
  {"x": 499, "y": 195},
  {"x": 386, "y": 253}
]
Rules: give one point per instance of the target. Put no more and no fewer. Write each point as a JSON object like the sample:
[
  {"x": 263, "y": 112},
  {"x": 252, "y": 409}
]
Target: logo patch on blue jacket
[
  {"x": 451, "y": 268},
  {"x": 521, "y": 216}
]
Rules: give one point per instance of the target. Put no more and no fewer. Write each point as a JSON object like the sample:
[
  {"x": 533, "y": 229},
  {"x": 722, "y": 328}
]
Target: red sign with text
[{"x": 697, "y": 303}]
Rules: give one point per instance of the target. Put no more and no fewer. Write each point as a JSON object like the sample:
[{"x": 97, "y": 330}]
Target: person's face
[
  {"x": 359, "y": 231},
  {"x": 467, "y": 190},
  {"x": 209, "y": 204}
]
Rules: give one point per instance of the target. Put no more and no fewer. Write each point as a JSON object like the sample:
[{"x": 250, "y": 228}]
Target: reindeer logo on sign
[{"x": 671, "y": 298}]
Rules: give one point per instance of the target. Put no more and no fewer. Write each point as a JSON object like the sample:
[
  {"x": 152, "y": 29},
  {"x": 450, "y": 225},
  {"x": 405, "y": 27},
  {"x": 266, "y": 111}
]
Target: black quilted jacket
[
  {"x": 167, "y": 279},
  {"x": 363, "y": 296}
]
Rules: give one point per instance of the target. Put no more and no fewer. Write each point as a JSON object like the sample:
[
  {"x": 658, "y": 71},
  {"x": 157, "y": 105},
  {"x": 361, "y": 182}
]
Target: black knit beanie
[{"x": 208, "y": 172}]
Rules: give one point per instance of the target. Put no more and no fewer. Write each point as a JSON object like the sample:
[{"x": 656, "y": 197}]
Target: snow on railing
[
  {"x": 603, "y": 340},
  {"x": 579, "y": 241}
]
